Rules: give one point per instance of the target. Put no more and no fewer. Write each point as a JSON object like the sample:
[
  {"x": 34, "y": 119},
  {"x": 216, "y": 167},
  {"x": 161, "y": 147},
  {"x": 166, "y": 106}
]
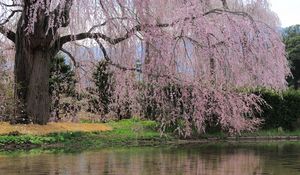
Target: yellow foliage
[{"x": 32, "y": 129}]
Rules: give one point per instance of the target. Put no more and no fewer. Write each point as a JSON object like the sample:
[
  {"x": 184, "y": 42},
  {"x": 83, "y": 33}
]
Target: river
[{"x": 267, "y": 158}]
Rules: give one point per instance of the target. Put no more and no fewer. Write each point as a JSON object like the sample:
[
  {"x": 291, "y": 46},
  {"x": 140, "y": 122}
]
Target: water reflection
[{"x": 214, "y": 159}]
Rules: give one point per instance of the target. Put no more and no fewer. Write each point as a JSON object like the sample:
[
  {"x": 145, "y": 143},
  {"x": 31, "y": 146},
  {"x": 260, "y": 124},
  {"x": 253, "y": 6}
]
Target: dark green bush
[
  {"x": 283, "y": 110},
  {"x": 102, "y": 95},
  {"x": 62, "y": 83}
]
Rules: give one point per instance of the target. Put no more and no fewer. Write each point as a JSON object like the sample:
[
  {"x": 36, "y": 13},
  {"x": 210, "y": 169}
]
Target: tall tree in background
[
  {"x": 291, "y": 37},
  {"x": 62, "y": 83},
  {"x": 102, "y": 94},
  {"x": 213, "y": 46},
  {"x": 3, "y": 75},
  {"x": 6, "y": 86}
]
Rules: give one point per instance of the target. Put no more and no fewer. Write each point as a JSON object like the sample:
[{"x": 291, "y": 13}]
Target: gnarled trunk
[
  {"x": 32, "y": 84},
  {"x": 32, "y": 70},
  {"x": 36, "y": 42}
]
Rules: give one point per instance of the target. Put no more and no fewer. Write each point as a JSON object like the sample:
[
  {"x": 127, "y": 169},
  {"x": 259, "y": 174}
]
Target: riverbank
[
  {"x": 132, "y": 132},
  {"x": 123, "y": 133}
]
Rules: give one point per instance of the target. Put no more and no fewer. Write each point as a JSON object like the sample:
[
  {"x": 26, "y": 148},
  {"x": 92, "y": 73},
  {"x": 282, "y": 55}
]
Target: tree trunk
[
  {"x": 32, "y": 80},
  {"x": 32, "y": 71},
  {"x": 36, "y": 43},
  {"x": 38, "y": 99}
]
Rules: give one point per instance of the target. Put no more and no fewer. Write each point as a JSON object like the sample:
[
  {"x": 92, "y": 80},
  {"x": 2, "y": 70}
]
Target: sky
[{"x": 288, "y": 11}]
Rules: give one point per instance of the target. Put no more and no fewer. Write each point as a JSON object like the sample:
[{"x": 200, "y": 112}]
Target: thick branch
[
  {"x": 220, "y": 11},
  {"x": 71, "y": 56},
  {"x": 11, "y": 5},
  {"x": 10, "y": 16},
  {"x": 105, "y": 22},
  {"x": 8, "y": 33},
  {"x": 110, "y": 40},
  {"x": 106, "y": 57},
  {"x": 139, "y": 28}
]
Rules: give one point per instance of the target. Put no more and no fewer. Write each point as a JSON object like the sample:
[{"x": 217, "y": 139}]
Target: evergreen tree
[
  {"x": 102, "y": 94},
  {"x": 61, "y": 84}
]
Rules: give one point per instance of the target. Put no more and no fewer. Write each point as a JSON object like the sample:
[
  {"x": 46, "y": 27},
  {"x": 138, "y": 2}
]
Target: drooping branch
[
  {"x": 61, "y": 14},
  {"x": 109, "y": 61},
  {"x": 71, "y": 56},
  {"x": 132, "y": 31},
  {"x": 105, "y": 22},
  {"x": 221, "y": 11},
  {"x": 8, "y": 33},
  {"x": 225, "y": 5},
  {"x": 113, "y": 41},
  {"x": 106, "y": 38},
  {"x": 106, "y": 57}
]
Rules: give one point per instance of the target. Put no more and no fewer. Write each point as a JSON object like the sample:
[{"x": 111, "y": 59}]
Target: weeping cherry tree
[{"x": 209, "y": 49}]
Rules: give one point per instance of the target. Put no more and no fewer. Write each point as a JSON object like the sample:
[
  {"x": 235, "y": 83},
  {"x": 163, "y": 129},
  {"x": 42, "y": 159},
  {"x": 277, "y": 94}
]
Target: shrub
[
  {"x": 283, "y": 110},
  {"x": 101, "y": 95},
  {"x": 62, "y": 89}
]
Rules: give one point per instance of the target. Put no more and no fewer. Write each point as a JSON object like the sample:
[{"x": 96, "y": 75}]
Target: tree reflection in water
[{"x": 190, "y": 160}]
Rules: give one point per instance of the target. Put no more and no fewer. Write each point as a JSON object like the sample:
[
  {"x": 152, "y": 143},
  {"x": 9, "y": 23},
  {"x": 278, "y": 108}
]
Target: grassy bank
[
  {"x": 125, "y": 132},
  {"x": 132, "y": 132},
  {"x": 259, "y": 133}
]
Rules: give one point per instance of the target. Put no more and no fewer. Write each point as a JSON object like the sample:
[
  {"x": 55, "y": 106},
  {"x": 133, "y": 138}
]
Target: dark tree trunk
[
  {"x": 32, "y": 71},
  {"x": 38, "y": 98},
  {"x": 36, "y": 43}
]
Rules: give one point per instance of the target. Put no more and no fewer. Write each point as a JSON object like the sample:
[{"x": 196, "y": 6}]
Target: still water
[{"x": 198, "y": 159}]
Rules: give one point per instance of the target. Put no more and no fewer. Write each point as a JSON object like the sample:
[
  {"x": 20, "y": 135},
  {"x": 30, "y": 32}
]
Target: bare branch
[
  {"x": 104, "y": 37},
  {"x": 125, "y": 68},
  {"x": 71, "y": 56},
  {"x": 221, "y": 11},
  {"x": 225, "y": 5},
  {"x": 11, "y": 5},
  {"x": 8, "y": 33},
  {"x": 105, "y": 22},
  {"x": 106, "y": 57},
  {"x": 86, "y": 35},
  {"x": 138, "y": 28},
  {"x": 13, "y": 12}
]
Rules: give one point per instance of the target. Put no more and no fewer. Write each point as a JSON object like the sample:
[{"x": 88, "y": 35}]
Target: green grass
[
  {"x": 130, "y": 132},
  {"x": 125, "y": 132},
  {"x": 26, "y": 139},
  {"x": 273, "y": 132},
  {"x": 259, "y": 133}
]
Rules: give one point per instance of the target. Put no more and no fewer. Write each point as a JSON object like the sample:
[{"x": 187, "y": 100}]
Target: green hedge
[{"x": 284, "y": 111}]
